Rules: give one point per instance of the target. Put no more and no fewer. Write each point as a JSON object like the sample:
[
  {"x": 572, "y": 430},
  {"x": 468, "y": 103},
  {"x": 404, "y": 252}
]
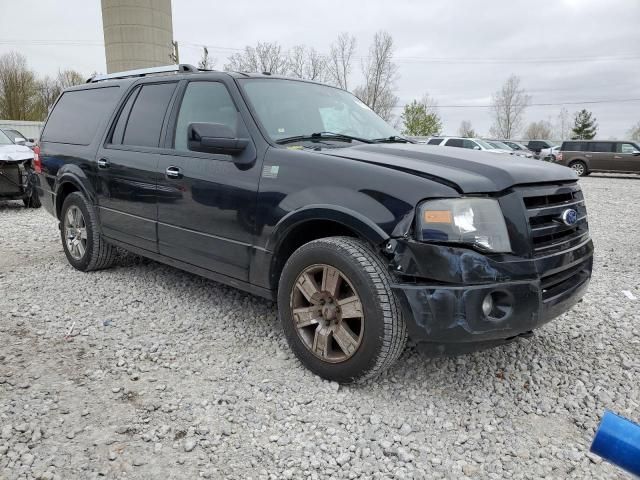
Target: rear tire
[
  {"x": 376, "y": 331},
  {"x": 83, "y": 245},
  {"x": 580, "y": 168}
]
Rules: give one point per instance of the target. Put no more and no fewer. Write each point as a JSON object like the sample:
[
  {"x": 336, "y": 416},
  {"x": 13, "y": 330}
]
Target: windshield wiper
[
  {"x": 322, "y": 135},
  {"x": 392, "y": 139}
]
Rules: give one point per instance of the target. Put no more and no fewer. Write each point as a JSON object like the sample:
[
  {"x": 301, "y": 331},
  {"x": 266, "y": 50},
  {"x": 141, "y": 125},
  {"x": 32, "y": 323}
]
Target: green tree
[
  {"x": 584, "y": 126},
  {"x": 420, "y": 118}
]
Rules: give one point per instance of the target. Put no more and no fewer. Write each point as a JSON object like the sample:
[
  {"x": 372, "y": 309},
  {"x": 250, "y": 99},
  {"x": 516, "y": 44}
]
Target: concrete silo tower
[{"x": 137, "y": 33}]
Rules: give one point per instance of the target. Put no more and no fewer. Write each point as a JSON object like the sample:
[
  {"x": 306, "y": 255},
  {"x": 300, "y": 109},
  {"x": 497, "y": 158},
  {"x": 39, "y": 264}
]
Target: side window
[
  {"x": 454, "y": 142},
  {"x": 603, "y": 147},
  {"x": 575, "y": 147},
  {"x": 208, "y": 102},
  {"x": 78, "y": 114},
  {"x": 121, "y": 124},
  {"x": 144, "y": 123},
  {"x": 625, "y": 148},
  {"x": 469, "y": 144},
  {"x": 435, "y": 141}
]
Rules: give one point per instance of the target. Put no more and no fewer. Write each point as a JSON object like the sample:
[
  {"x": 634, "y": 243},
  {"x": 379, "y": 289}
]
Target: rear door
[
  {"x": 128, "y": 166},
  {"x": 206, "y": 201},
  {"x": 600, "y": 155}
]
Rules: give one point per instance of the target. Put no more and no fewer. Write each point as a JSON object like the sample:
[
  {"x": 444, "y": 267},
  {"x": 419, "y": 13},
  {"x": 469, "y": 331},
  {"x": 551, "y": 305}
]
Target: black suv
[
  {"x": 536, "y": 145},
  {"x": 298, "y": 192}
]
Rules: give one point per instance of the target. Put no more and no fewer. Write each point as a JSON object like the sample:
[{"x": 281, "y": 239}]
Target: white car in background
[
  {"x": 550, "y": 153},
  {"x": 470, "y": 143},
  {"x": 509, "y": 148}
]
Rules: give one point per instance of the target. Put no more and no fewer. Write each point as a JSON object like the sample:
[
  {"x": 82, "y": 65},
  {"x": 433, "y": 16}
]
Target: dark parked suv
[
  {"x": 586, "y": 156},
  {"x": 298, "y": 192}
]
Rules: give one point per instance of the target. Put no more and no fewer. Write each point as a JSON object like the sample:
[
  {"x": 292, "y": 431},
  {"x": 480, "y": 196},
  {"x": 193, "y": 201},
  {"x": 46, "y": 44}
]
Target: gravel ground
[{"x": 144, "y": 371}]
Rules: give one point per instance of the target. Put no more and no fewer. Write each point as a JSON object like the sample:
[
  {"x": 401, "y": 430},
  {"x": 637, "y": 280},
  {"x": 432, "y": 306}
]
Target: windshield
[
  {"x": 4, "y": 140},
  {"x": 290, "y": 108},
  {"x": 483, "y": 144},
  {"x": 501, "y": 145}
]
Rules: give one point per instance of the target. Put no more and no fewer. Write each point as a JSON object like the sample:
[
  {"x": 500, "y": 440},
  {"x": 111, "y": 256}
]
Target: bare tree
[
  {"x": 307, "y": 63},
  {"x": 206, "y": 62},
  {"x": 539, "y": 130},
  {"x": 563, "y": 125},
  {"x": 466, "y": 130},
  {"x": 69, "y": 78},
  {"x": 379, "y": 75},
  {"x": 634, "y": 132},
  {"x": 339, "y": 62},
  {"x": 264, "y": 57},
  {"x": 508, "y": 105},
  {"x": 48, "y": 91},
  {"x": 18, "y": 88}
]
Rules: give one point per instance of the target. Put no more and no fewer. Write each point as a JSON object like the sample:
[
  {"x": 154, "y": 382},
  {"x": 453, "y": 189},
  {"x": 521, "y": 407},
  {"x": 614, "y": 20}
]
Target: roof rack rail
[{"x": 183, "y": 67}]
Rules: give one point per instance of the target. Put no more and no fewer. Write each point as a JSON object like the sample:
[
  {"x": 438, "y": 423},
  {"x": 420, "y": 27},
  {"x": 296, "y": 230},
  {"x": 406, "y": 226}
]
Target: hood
[
  {"x": 497, "y": 150},
  {"x": 472, "y": 171},
  {"x": 15, "y": 153}
]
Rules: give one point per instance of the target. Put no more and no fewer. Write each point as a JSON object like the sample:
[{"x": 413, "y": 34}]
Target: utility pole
[{"x": 175, "y": 54}]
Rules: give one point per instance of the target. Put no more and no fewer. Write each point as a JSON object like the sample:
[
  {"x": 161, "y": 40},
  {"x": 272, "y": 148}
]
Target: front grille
[
  {"x": 544, "y": 209},
  {"x": 558, "y": 283},
  {"x": 10, "y": 179}
]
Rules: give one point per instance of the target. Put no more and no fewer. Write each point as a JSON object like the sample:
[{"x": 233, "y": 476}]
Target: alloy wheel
[
  {"x": 75, "y": 232},
  {"x": 327, "y": 313},
  {"x": 578, "y": 168}
]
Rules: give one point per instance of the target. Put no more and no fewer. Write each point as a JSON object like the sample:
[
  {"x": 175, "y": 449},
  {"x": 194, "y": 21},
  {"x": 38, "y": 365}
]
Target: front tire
[
  {"x": 338, "y": 312},
  {"x": 85, "y": 249},
  {"x": 32, "y": 201}
]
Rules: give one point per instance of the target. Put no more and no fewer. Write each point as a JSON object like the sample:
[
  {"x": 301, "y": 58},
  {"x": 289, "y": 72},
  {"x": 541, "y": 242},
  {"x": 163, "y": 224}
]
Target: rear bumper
[
  {"x": 47, "y": 197},
  {"x": 449, "y": 315}
]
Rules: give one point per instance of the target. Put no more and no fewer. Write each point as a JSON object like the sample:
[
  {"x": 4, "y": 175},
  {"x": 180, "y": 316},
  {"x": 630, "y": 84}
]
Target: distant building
[{"x": 137, "y": 33}]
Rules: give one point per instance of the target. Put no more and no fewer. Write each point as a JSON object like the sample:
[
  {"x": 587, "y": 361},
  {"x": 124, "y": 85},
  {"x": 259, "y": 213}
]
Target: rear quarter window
[
  {"x": 78, "y": 114},
  {"x": 574, "y": 147}
]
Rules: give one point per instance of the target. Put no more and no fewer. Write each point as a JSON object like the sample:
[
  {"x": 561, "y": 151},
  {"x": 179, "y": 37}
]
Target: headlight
[{"x": 474, "y": 221}]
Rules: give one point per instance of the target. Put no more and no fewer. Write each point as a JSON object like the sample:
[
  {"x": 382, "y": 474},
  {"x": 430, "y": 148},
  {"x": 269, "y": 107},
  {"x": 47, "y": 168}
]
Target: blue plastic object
[{"x": 618, "y": 441}]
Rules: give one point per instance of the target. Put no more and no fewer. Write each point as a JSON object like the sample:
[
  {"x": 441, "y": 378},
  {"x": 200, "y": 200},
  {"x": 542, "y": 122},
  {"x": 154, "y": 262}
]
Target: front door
[
  {"x": 624, "y": 159},
  {"x": 207, "y": 202},
  {"x": 128, "y": 167}
]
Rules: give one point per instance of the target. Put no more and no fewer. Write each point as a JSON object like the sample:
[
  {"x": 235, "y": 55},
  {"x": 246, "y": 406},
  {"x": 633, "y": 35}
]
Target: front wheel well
[
  {"x": 300, "y": 235},
  {"x": 63, "y": 192}
]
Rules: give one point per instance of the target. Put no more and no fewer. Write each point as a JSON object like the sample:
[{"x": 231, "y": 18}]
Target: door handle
[
  {"x": 103, "y": 163},
  {"x": 588, "y": 156},
  {"x": 617, "y": 156},
  {"x": 173, "y": 172}
]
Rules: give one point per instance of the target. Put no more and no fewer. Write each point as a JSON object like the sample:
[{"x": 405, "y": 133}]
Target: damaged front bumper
[{"x": 456, "y": 300}]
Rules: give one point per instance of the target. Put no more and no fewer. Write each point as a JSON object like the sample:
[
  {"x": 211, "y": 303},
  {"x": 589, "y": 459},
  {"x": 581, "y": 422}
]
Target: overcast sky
[{"x": 565, "y": 51}]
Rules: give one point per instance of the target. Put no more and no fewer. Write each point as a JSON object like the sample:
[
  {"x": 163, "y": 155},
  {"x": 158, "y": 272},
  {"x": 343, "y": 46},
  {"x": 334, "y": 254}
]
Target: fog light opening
[{"x": 497, "y": 306}]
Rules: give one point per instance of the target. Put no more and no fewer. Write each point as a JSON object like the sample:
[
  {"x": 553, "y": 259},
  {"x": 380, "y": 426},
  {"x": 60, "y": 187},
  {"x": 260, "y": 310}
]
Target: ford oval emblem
[{"x": 569, "y": 217}]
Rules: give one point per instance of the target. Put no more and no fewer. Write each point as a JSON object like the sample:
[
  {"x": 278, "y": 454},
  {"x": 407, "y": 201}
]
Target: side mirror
[
  {"x": 19, "y": 141},
  {"x": 31, "y": 140},
  {"x": 476, "y": 147},
  {"x": 635, "y": 153},
  {"x": 214, "y": 138}
]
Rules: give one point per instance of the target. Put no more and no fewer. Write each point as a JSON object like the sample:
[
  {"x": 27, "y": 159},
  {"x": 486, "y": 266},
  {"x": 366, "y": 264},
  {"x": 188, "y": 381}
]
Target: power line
[
  {"x": 585, "y": 102},
  {"x": 399, "y": 59}
]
